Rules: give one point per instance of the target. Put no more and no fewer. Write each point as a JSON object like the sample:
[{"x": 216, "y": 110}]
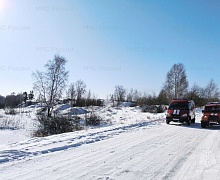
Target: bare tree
[
  {"x": 176, "y": 84},
  {"x": 130, "y": 95},
  {"x": 89, "y": 95},
  {"x": 120, "y": 93},
  {"x": 197, "y": 94},
  {"x": 71, "y": 92},
  {"x": 162, "y": 97},
  {"x": 112, "y": 99},
  {"x": 195, "y": 91},
  {"x": 40, "y": 85},
  {"x": 212, "y": 91},
  {"x": 133, "y": 95},
  {"x": 50, "y": 84},
  {"x": 137, "y": 95},
  {"x": 80, "y": 90}
]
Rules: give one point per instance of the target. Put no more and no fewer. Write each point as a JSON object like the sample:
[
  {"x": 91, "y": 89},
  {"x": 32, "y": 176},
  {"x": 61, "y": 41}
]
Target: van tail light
[{"x": 168, "y": 114}]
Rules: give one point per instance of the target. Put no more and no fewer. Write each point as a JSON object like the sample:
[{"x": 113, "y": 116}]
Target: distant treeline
[
  {"x": 176, "y": 86},
  {"x": 12, "y": 100}
]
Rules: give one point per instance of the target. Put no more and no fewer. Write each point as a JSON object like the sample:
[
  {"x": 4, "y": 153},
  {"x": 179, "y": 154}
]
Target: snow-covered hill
[
  {"x": 130, "y": 145},
  {"x": 15, "y": 128}
]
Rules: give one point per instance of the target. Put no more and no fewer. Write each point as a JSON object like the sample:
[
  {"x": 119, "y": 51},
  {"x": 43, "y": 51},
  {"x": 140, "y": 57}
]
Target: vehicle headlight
[
  {"x": 184, "y": 115},
  {"x": 205, "y": 117}
]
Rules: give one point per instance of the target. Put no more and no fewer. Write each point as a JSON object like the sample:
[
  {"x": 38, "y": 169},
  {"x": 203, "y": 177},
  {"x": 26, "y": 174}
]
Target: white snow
[{"x": 129, "y": 145}]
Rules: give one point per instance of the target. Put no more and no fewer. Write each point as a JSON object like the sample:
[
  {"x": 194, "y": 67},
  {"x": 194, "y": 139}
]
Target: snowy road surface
[{"x": 139, "y": 151}]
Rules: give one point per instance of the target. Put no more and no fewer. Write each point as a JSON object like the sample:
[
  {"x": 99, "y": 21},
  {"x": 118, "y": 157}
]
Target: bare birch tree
[
  {"x": 120, "y": 93},
  {"x": 176, "y": 84},
  {"x": 71, "y": 93},
  {"x": 212, "y": 91},
  {"x": 80, "y": 91},
  {"x": 51, "y": 83}
]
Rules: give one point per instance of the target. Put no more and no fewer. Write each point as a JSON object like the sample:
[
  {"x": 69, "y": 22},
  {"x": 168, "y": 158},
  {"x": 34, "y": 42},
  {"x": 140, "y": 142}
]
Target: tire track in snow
[
  {"x": 121, "y": 157},
  {"x": 19, "y": 151},
  {"x": 140, "y": 154},
  {"x": 149, "y": 158}
]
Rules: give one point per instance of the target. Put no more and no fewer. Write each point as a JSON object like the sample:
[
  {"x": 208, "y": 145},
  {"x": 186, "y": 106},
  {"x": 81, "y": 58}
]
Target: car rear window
[
  {"x": 214, "y": 109},
  {"x": 178, "y": 106}
]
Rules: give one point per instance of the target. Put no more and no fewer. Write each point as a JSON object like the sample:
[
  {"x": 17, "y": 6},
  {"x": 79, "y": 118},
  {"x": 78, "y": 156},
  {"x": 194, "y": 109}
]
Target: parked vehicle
[
  {"x": 211, "y": 114},
  {"x": 181, "y": 110}
]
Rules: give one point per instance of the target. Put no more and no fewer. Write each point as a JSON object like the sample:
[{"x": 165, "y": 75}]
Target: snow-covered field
[{"x": 130, "y": 145}]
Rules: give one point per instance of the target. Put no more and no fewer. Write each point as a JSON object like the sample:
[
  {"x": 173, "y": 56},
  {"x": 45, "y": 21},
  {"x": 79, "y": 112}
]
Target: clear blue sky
[{"x": 133, "y": 43}]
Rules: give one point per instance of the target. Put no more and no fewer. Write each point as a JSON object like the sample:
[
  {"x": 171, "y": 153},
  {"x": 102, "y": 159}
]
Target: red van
[
  {"x": 181, "y": 110},
  {"x": 211, "y": 114}
]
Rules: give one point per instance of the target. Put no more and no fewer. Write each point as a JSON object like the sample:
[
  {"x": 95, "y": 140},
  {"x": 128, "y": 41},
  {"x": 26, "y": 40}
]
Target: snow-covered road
[{"x": 140, "y": 151}]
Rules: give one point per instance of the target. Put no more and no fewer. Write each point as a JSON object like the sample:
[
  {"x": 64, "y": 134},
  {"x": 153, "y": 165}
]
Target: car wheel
[
  {"x": 188, "y": 122},
  {"x": 203, "y": 124},
  {"x": 167, "y": 121},
  {"x": 193, "y": 120}
]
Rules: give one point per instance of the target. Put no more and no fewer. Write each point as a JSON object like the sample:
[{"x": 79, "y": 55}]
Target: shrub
[
  {"x": 8, "y": 123},
  {"x": 10, "y": 111},
  {"x": 56, "y": 125},
  {"x": 153, "y": 109},
  {"x": 41, "y": 111},
  {"x": 93, "y": 119},
  {"x": 150, "y": 109}
]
